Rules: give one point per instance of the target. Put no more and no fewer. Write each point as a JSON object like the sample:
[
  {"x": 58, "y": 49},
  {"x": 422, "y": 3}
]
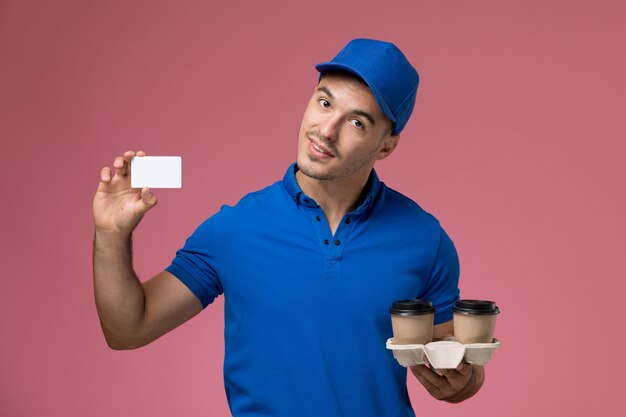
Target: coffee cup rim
[
  {"x": 415, "y": 307},
  {"x": 476, "y": 307}
]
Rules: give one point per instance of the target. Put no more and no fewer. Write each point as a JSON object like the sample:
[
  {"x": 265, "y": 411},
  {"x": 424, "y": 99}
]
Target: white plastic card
[{"x": 156, "y": 171}]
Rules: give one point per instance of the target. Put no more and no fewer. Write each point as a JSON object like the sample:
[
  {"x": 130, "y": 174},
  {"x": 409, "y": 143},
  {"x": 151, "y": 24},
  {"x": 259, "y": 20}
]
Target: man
[{"x": 308, "y": 266}]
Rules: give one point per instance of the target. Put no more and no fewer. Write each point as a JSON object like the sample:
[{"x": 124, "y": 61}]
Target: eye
[
  {"x": 324, "y": 103},
  {"x": 357, "y": 123}
]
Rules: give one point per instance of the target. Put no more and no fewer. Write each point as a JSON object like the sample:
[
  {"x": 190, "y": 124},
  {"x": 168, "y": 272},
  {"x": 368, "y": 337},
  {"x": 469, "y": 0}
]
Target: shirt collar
[{"x": 371, "y": 190}]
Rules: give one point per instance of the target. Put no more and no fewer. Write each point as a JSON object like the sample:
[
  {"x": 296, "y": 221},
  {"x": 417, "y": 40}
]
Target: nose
[{"x": 329, "y": 127}]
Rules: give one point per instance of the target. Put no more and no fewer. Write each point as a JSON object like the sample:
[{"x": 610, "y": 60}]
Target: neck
[{"x": 335, "y": 197}]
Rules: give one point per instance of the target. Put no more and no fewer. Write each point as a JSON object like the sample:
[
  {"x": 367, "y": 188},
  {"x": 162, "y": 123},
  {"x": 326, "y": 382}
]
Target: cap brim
[{"x": 333, "y": 66}]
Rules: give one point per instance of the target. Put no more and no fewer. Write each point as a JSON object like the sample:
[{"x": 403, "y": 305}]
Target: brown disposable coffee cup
[
  {"x": 412, "y": 322},
  {"x": 474, "y": 321}
]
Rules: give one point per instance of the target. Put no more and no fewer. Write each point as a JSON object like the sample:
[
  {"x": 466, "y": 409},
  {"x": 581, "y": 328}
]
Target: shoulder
[
  {"x": 396, "y": 205},
  {"x": 257, "y": 200},
  {"x": 406, "y": 222},
  {"x": 251, "y": 207}
]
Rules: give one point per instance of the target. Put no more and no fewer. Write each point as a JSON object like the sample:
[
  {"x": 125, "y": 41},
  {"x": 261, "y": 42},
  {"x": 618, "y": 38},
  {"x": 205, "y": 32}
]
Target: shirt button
[
  {"x": 318, "y": 218},
  {"x": 337, "y": 242},
  {"x": 348, "y": 220},
  {"x": 326, "y": 241}
]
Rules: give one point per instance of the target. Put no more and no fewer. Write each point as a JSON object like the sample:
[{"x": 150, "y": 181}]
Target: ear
[{"x": 389, "y": 144}]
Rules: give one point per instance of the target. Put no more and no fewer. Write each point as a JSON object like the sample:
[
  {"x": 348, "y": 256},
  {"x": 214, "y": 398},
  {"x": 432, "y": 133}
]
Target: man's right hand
[
  {"x": 132, "y": 314},
  {"x": 118, "y": 208}
]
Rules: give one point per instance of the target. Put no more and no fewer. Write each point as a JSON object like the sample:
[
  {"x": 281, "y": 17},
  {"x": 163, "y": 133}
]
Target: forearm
[{"x": 118, "y": 292}]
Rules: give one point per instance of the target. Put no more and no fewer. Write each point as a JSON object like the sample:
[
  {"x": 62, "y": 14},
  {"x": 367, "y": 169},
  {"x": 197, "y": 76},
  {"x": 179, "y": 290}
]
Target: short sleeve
[
  {"x": 443, "y": 282},
  {"x": 194, "y": 264}
]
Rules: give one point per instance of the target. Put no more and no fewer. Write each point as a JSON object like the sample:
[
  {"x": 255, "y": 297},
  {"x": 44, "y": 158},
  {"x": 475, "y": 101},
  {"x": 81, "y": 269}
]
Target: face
[{"x": 343, "y": 131}]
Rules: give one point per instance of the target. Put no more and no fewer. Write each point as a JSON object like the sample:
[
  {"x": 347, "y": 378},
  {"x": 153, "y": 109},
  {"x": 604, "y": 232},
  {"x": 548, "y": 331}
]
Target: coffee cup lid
[
  {"x": 477, "y": 307},
  {"x": 416, "y": 307}
]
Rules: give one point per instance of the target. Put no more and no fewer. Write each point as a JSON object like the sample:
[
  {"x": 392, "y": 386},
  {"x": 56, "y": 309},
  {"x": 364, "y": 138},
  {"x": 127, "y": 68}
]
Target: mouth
[{"x": 319, "y": 149}]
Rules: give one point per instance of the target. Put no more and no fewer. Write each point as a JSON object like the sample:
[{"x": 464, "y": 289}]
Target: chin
[{"x": 310, "y": 169}]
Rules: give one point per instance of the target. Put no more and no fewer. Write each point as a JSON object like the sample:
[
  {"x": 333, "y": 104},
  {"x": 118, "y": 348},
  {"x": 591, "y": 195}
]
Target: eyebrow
[
  {"x": 326, "y": 91},
  {"x": 355, "y": 111},
  {"x": 364, "y": 114}
]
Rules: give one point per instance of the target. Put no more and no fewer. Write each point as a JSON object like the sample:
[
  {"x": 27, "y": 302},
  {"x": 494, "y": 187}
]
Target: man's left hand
[{"x": 451, "y": 385}]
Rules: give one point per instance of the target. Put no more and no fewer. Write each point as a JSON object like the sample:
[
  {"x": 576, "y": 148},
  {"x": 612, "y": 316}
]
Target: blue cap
[{"x": 384, "y": 68}]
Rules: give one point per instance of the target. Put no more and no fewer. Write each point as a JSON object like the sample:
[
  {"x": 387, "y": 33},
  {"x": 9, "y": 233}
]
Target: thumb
[{"x": 148, "y": 200}]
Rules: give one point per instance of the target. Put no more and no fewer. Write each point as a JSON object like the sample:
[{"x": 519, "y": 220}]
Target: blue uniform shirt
[{"x": 307, "y": 313}]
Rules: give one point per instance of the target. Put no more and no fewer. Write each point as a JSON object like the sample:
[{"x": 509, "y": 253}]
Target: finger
[
  {"x": 478, "y": 373},
  {"x": 448, "y": 373},
  {"x": 465, "y": 368},
  {"x": 428, "y": 374},
  {"x": 148, "y": 199},
  {"x": 455, "y": 380},
  {"x": 121, "y": 166},
  {"x": 420, "y": 375},
  {"x": 105, "y": 174},
  {"x": 436, "y": 370},
  {"x": 462, "y": 371},
  {"x": 128, "y": 155},
  {"x": 118, "y": 164},
  {"x": 141, "y": 153},
  {"x": 438, "y": 391}
]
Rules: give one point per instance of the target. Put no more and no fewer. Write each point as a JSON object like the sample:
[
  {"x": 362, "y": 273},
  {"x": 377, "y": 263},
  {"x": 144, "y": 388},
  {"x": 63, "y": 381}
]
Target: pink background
[{"x": 517, "y": 145}]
